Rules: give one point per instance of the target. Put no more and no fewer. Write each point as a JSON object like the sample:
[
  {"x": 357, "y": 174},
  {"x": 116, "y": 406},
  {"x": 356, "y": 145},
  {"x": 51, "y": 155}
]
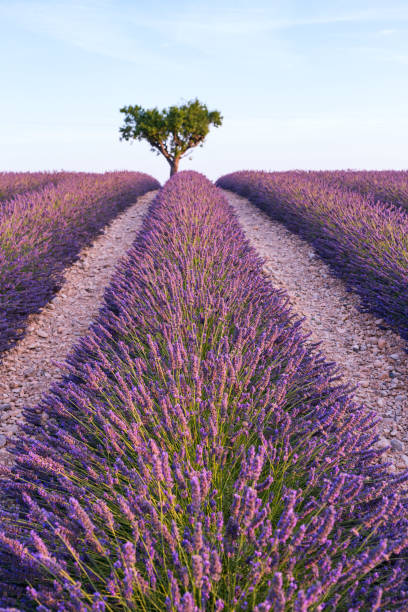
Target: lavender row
[
  {"x": 197, "y": 455},
  {"x": 42, "y": 232},
  {"x": 389, "y": 186},
  {"x": 14, "y": 183},
  {"x": 366, "y": 243}
]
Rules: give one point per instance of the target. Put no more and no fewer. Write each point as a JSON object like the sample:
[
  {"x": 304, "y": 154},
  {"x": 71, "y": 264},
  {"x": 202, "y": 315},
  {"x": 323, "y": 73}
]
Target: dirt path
[
  {"x": 369, "y": 356},
  {"x": 28, "y": 369}
]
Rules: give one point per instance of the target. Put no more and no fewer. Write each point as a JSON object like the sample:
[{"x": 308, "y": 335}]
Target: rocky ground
[
  {"x": 370, "y": 356},
  {"x": 28, "y": 369}
]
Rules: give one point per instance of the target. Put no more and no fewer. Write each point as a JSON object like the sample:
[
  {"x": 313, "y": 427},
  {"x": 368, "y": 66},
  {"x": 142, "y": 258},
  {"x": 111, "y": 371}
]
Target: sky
[{"x": 300, "y": 84}]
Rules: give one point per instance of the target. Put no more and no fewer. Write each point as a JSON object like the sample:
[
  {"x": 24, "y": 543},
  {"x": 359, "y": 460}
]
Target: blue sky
[{"x": 300, "y": 84}]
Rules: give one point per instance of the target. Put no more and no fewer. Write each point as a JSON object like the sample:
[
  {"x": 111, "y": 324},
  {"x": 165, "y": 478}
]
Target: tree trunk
[{"x": 174, "y": 166}]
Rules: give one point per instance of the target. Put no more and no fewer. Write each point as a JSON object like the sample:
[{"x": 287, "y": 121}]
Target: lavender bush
[
  {"x": 42, "y": 232},
  {"x": 14, "y": 183},
  {"x": 390, "y": 186},
  {"x": 366, "y": 243},
  {"x": 197, "y": 455}
]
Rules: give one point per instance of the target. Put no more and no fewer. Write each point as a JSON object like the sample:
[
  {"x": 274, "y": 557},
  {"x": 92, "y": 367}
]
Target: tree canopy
[{"x": 172, "y": 132}]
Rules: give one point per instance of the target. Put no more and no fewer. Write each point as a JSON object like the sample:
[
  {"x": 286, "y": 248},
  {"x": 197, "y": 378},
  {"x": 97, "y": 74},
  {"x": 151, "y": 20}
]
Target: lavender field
[
  {"x": 365, "y": 241},
  {"x": 200, "y": 453},
  {"x": 204, "y": 306},
  {"x": 386, "y": 186},
  {"x": 42, "y": 231},
  {"x": 13, "y": 183}
]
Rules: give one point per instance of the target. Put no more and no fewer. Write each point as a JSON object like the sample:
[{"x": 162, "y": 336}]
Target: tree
[{"x": 171, "y": 132}]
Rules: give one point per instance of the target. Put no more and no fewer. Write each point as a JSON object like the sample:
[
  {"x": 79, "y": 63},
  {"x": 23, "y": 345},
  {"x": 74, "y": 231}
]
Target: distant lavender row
[
  {"x": 366, "y": 243},
  {"x": 382, "y": 185},
  {"x": 41, "y": 232},
  {"x": 13, "y": 183},
  {"x": 198, "y": 456}
]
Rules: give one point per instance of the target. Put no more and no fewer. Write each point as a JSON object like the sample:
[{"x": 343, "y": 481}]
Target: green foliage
[{"x": 171, "y": 132}]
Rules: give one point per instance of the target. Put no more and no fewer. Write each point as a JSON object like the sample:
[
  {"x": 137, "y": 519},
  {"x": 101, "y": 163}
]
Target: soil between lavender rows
[
  {"x": 369, "y": 357},
  {"x": 29, "y": 368}
]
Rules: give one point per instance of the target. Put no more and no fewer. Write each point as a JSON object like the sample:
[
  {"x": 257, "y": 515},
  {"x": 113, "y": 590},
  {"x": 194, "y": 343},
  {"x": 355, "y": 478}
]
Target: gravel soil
[
  {"x": 28, "y": 369},
  {"x": 370, "y": 356}
]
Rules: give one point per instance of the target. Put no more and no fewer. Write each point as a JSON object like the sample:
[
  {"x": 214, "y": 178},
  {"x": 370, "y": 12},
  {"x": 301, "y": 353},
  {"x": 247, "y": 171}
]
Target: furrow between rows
[
  {"x": 370, "y": 356},
  {"x": 28, "y": 369}
]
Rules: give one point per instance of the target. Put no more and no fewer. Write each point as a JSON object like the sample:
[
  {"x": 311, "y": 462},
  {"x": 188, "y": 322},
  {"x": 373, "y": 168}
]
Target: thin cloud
[
  {"x": 231, "y": 23},
  {"x": 99, "y": 27},
  {"x": 88, "y": 26}
]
